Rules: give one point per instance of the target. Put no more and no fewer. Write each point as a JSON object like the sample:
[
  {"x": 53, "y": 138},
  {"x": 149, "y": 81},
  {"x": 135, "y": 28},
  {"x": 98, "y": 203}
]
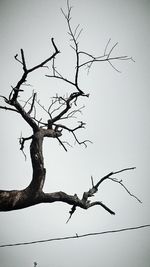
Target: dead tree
[{"x": 60, "y": 110}]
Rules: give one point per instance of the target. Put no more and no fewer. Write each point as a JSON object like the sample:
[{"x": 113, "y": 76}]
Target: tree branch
[
  {"x": 48, "y": 59},
  {"x": 74, "y": 37},
  {"x": 10, "y": 109},
  {"x": 13, "y": 97},
  {"x": 33, "y": 194}
]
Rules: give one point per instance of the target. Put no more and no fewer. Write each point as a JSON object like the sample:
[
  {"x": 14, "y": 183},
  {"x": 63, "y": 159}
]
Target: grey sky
[{"x": 117, "y": 117}]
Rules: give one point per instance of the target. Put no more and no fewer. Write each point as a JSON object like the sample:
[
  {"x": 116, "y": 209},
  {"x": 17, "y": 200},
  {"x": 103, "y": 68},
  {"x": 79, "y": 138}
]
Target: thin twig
[
  {"x": 120, "y": 182},
  {"x": 10, "y": 109},
  {"x": 32, "y": 104},
  {"x": 61, "y": 143}
]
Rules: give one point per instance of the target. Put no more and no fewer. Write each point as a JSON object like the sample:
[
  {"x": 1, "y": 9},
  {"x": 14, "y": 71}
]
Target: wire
[{"x": 74, "y": 236}]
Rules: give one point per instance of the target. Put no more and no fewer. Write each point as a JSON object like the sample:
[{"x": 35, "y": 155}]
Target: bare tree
[{"x": 59, "y": 112}]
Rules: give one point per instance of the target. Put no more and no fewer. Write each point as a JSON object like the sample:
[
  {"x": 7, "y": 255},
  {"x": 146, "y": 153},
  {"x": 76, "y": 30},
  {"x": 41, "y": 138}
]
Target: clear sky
[{"x": 117, "y": 117}]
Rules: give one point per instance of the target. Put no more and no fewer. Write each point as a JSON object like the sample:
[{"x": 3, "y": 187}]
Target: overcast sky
[{"x": 118, "y": 124}]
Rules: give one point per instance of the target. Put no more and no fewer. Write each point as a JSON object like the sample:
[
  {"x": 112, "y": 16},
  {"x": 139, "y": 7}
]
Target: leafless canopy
[{"x": 60, "y": 110}]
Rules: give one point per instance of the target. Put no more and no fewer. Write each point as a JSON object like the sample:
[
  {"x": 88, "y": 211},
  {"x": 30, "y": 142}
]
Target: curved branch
[
  {"x": 26, "y": 116},
  {"x": 102, "y": 205},
  {"x": 33, "y": 194},
  {"x": 48, "y": 59},
  {"x": 13, "y": 97},
  {"x": 10, "y": 109}
]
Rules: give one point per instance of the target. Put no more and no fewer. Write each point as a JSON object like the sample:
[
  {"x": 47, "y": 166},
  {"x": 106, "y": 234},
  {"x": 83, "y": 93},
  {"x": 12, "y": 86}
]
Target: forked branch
[{"x": 94, "y": 189}]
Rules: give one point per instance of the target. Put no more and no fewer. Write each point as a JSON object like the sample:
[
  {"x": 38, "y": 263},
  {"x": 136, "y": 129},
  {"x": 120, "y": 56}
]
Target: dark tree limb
[
  {"x": 13, "y": 97},
  {"x": 33, "y": 194},
  {"x": 7, "y": 108},
  {"x": 46, "y": 60},
  {"x": 86, "y": 195},
  {"x": 22, "y": 140}
]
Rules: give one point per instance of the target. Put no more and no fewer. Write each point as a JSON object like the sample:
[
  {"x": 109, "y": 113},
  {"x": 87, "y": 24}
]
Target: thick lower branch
[
  {"x": 16, "y": 199},
  {"x": 13, "y": 200},
  {"x": 61, "y": 197},
  {"x": 33, "y": 194}
]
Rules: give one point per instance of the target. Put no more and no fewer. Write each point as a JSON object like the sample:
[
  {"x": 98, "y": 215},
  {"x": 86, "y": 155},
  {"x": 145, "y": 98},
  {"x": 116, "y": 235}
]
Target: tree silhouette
[{"x": 61, "y": 109}]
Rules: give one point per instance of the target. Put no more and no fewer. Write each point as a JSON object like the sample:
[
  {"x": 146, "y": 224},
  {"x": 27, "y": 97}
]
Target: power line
[{"x": 74, "y": 236}]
